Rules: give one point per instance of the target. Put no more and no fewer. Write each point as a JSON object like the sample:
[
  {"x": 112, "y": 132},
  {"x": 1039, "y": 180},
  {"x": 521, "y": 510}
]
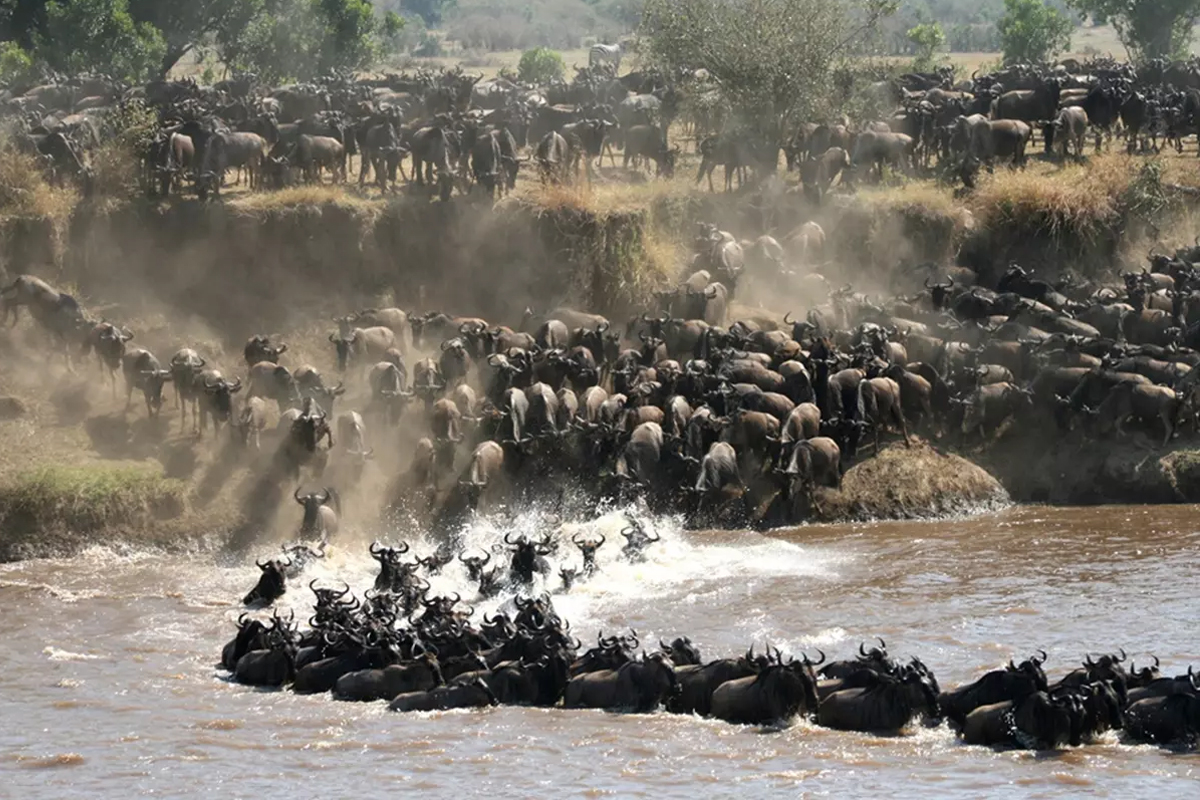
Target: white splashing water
[{"x": 681, "y": 567}]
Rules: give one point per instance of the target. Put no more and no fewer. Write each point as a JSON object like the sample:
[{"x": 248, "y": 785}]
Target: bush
[
  {"x": 541, "y": 66},
  {"x": 16, "y": 66},
  {"x": 430, "y": 46}
]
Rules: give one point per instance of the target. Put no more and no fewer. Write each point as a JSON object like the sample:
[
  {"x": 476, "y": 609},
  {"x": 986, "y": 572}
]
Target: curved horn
[
  {"x": 296, "y": 494},
  {"x": 1123, "y": 656},
  {"x": 787, "y": 321},
  {"x": 1043, "y": 658}
]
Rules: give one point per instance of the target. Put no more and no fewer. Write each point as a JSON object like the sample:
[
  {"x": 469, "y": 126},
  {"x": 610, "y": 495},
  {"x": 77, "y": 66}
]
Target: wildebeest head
[
  {"x": 344, "y": 345},
  {"x": 312, "y": 503},
  {"x": 152, "y": 382},
  {"x": 681, "y": 651},
  {"x": 1144, "y": 676},
  {"x": 260, "y": 348},
  {"x": 475, "y": 564},
  {"x": 877, "y": 658},
  {"x": 588, "y": 548},
  {"x": 1032, "y": 668},
  {"x": 271, "y": 583},
  {"x": 636, "y": 540},
  {"x": 393, "y": 573},
  {"x": 310, "y": 426},
  {"x": 221, "y": 393},
  {"x": 525, "y": 555},
  {"x": 568, "y": 575}
]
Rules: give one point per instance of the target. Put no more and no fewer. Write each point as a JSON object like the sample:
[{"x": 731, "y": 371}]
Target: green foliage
[
  {"x": 928, "y": 38},
  {"x": 185, "y": 23},
  {"x": 16, "y": 66},
  {"x": 773, "y": 59},
  {"x": 524, "y": 24},
  {"x": 1032, "y": 31},
  {"x": 541, "y": 66},
  {"x": 129, "y": 131},
  {"x": 430, "y": 46},
  {"x": 430, "y": 11},
  {"x": 285, "y": 40},
  {"x": 1148, "y": 28},
  {"x": 99, "y": 36}
]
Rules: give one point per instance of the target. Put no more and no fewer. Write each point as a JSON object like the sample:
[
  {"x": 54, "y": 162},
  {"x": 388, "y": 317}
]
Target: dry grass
[
  {"x": 906, "y": 483},
  {"x": 24, "y": 191},
  {"x": 308, "y": 196},
  {"x": 1081, "y": 198}
]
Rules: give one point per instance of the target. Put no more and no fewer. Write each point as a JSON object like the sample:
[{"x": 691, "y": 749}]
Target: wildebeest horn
[
  {"x": 664, "y": 645},
  {"x": 296, "y": 494},
  {"x": 862, "y": 649},
  {"x": 882, "y": 644},
  {"x": 1155, "y": 661},
  {"x": 1087, "y": 662},
  {"x": 1042, "y": 660},
  {"x": 787, "y": 321},
  {"x": 1123, "y": 656},
  {"x": 507, "y": 539},
  {"x": 333, "y": 338}
]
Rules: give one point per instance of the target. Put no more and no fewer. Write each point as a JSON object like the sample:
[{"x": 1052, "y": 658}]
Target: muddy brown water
[{"x": 109, "y": 686}]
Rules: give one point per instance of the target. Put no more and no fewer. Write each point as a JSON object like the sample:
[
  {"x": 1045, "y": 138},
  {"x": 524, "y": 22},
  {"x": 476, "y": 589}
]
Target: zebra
[{"x": 605, "y": 54}]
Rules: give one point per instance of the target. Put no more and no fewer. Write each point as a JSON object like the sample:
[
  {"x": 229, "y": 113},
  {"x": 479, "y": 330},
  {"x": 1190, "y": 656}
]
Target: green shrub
[{"x": 540, "y": 66}]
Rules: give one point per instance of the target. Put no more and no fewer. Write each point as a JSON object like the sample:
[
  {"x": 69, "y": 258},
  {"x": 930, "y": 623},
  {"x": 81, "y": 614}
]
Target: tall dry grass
[{"x": 24, "y": 191}]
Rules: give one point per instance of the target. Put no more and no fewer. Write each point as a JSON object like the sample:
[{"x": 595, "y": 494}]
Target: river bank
[{"x": 80, "y": 469}]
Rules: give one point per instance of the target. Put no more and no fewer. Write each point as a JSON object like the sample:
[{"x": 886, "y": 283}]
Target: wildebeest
[
  {"x": 638, "y": 686},
  {"x": 142, "y": 371},
  {"x": 271, "y": 584},
  {"x": 362, "y": 345},
  {"x": 215, "y": 398},
  {"x": 887, "y": 706},
  {"x": 997, "y": 686},
  {"x": 321, "y": 511},
  {"x": 777, "y": 693},
  {"x": 476, "y": 694}
]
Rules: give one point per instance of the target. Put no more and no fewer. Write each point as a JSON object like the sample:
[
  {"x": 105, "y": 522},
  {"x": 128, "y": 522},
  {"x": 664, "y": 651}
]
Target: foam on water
[{"x": 681, "y": 567}]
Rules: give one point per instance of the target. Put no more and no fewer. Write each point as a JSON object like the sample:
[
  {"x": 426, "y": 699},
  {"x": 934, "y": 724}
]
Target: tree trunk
[{"x": 171, "y": 58}]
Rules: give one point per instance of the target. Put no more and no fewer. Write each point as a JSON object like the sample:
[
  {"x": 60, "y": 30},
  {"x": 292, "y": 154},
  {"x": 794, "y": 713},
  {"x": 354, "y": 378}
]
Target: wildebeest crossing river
[{"x": 110, "y": 687}]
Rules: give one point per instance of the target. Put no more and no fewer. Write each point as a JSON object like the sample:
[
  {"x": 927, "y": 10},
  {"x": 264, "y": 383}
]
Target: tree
[
  {"x": 540, "y": 66},
  {"x": 1033, "y": 32},
  {"x": 431, "y": 11},
  {"x": 773, "y": 59},
  {"x": 1148, "y": 28},
  {"x": 302, "y": 39},
  {"x": 185, "y": 23},
  {"x": 928, "y": 38},
  {"x": 99, "y": 36}
]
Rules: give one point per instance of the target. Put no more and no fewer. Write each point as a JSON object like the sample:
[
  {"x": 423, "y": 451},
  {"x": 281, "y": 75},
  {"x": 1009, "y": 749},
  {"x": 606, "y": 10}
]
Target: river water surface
[{"x": 109, "y": 687}]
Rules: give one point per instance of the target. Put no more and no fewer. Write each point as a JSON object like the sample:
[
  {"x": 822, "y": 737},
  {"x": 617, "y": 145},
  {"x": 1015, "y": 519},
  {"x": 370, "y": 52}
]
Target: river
[{"x": 110, "y": 688}]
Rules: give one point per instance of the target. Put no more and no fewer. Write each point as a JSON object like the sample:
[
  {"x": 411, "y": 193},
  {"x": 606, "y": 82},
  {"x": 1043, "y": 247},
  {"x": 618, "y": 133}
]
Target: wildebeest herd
[
  {"x": 459, "y": 131},
  {"x": 748, "y": 422},
  {"x": 422, "y": 653}
]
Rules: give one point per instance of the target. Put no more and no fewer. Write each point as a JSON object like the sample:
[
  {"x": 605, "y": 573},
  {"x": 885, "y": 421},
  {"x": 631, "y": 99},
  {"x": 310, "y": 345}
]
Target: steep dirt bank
[{"x": 207, "y": 276}]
